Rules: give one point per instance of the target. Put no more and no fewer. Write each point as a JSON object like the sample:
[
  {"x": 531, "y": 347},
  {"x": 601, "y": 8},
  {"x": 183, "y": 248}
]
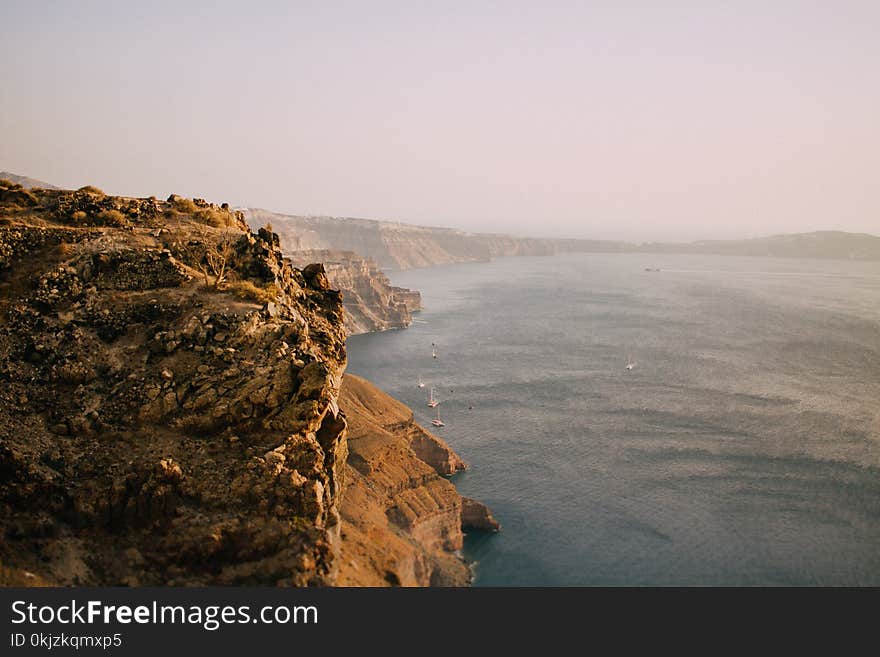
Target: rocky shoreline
[
  {"x": 173, "y": 412},
  {"x": 402, "y": 517}
]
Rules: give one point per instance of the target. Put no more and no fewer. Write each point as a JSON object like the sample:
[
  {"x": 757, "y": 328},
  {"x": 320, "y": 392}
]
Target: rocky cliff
[
  {"x": 168, "y": 388},
  {"x": 395, "y": 245},
  {"x": 404, "y": 246},
  {"x": 402, "y": 520},
  {"x": 371, "y": 302},
  {"x": 170, "y": 411}
]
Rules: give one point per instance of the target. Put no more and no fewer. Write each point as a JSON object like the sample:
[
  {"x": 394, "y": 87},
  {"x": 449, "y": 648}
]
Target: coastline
[
  {"x": 373, "y": 415},
  {"x": 162, "y": 426},
  {"x": 551, "y": 418},
  {"x": 402, "y": 516}
]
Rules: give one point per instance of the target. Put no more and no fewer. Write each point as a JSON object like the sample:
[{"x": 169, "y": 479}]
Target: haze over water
[
  {"x": 743, "y": 448},
  {"x": 629, "y": 120}
]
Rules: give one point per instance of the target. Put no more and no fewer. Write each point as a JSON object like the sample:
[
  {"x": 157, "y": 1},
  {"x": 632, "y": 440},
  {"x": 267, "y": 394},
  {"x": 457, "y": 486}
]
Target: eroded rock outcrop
[
  {"x": 168, "y": 387},
  {"x": 402, "y": 521},
  {"x": 371, "y": 302},
  {"x": 476, "y": 515}
]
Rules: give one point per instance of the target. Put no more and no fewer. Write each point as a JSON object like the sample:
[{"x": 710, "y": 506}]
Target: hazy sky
[{"x": 589, "y": 119}]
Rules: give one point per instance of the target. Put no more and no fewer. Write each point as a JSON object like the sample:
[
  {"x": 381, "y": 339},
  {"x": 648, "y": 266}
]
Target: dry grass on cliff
[
  {"x": 111, "y": 218},
  {"x": 14, "y": 196},
  {"x": 213, "y": 217},
  {"x": 91, "y": 189},
  {"x": 247, "y": 291},
  {"x": 184, "y": 205},
  {"x": 210, "y": 216}
]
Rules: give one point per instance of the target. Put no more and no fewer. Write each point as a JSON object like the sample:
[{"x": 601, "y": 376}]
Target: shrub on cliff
[
  {"x": 213, "y": 217},
  {"x": 247, "y": 291},
  {"x": 14, "y": 194},
  {"x": 200, "y": 211},
  {"x": 111, "y": 218},
  {"x": 184, "y": 205},
  {"x": 198, "y": 245},
  {"x": 91, "y": 189}
]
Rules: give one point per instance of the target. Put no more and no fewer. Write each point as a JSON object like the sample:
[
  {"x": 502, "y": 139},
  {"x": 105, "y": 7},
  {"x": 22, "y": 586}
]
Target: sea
[{"x": 742, "y": 448}]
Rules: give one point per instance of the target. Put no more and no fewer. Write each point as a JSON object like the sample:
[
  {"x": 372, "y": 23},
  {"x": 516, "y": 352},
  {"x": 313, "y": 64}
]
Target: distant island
[{"x": 825, "y": 244}]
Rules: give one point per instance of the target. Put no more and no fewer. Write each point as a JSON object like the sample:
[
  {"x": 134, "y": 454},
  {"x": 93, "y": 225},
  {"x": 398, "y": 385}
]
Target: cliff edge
[
  {"x": 168, "y": 386},
  {"x": 170, "y": 395}
]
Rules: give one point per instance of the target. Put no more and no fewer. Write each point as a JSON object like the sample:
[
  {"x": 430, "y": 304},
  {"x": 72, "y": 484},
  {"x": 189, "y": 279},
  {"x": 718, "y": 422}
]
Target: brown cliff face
[
  {"x": 371, "y": 302},
  {"x": 159, "y": 425},
  {"x": 406, "y": 246},
  {"x": 401, "y": 521}
]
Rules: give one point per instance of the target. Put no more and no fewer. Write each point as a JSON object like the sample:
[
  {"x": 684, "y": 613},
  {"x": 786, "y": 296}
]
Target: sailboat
[
  {"x": 431, "y": 401},
  {"x": 421, "y": 383},
  {"x": 437, "y": 422},
  {"x": 433, "y": 351},
  {"x": 630, "y": 363}
]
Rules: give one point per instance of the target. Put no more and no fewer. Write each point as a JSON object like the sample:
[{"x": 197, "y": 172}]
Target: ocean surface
[{"x": 742, "y": 449}]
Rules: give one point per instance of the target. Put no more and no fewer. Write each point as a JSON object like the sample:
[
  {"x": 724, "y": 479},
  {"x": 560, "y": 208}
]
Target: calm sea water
[{"x": 743, "y": 448}]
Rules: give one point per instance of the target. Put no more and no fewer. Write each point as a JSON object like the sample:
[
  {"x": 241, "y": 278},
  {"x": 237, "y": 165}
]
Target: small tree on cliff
[{"x": 210, "y": 255}]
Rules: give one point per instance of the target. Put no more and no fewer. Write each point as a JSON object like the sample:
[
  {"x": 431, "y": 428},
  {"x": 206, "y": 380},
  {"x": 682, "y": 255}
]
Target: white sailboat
[
  {"x": 437, "y": 422},
  {"x": 431, "y": 401},
  {"x": 630, "y": 363},
  {"x": 421, "y": 383},
  {"x": 433, "y": 350}
]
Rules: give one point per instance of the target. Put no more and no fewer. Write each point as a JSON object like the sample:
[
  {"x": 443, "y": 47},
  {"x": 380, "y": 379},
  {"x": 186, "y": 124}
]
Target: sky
[{"x": 612, "y": 120}]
